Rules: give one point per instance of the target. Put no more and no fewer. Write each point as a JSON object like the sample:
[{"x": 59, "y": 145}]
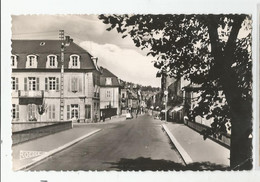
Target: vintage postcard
[{"x": 130, "y": 92}]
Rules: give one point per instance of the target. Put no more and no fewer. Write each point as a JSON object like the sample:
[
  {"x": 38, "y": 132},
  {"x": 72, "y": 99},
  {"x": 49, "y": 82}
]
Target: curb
[
  {"x": 101, "y": 122},
  {"x": 52, "y": 152},
  {"x": 185, "y": 156}
]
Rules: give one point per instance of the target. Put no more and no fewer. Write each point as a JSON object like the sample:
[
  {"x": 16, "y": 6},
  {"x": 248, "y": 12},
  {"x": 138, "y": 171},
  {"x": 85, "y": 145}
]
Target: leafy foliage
[{"x": 182, "y": 47}]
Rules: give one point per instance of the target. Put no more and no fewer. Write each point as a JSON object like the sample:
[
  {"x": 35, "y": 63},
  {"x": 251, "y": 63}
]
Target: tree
[
  {"x": 42, "y": 109},
  {"x": 209, "y": 51}
]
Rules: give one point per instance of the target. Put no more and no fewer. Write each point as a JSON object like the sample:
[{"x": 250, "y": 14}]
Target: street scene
[{"x": 131, "y": 92}]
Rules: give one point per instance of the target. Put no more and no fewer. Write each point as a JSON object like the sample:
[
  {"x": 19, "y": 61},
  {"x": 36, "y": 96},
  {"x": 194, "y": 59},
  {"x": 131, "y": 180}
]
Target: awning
[
  {"x": 26, "y": 101},
  {"x": 176, "y": 109},
  {"x": 164, "y": 110}
]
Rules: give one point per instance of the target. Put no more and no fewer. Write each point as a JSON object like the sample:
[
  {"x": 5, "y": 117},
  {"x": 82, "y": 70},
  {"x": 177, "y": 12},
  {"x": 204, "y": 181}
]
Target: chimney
[
  {"x": 95, "y": 60},
  {"x": 68, "y": 40}
]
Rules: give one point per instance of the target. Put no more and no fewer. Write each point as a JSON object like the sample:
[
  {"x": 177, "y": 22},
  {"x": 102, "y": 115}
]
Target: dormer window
[
  {"x": 74, "y": 61},
  {"x": 31, "y": 61},
  {"x": 51, "y": 61},
  {"x": 14, "y": 61},
  {"x": 108, "y": 81}
]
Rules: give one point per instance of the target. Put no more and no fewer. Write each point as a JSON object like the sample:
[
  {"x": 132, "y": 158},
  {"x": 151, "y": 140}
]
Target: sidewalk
[
  {"x": 28, "y": 153},
  {"x": 192, "y": 146}
]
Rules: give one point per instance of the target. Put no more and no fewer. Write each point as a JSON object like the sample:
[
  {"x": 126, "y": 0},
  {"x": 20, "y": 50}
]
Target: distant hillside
[{"x": 131, "y": 85}]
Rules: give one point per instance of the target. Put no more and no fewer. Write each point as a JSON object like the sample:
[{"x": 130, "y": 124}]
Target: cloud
[
  {"x": 119, "y": 55},
  {"x": 127, "y": 64}
]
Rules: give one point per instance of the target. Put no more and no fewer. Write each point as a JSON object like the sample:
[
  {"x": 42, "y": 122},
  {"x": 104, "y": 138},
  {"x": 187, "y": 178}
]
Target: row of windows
[
  {"x": 32, "y": 111},
  {"x": 51, "y": 84},
  {"x": 51, "y": 61}
]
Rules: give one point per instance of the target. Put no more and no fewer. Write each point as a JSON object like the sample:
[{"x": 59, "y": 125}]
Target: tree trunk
[
  {"x": 240, "y": 109},
  {"x": 241, "y": 123},
  {"x": 241, "y": 143}
]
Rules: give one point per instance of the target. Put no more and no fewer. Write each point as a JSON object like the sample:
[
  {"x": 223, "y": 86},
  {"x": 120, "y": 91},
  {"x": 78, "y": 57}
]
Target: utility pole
[
  {"x": 64, "y": 43},
  {"x": 61, "y": 34}
]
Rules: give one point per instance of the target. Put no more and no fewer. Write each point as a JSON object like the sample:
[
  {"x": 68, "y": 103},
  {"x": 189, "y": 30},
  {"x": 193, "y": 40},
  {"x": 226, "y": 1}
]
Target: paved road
[{"x": 136, "y": 144}]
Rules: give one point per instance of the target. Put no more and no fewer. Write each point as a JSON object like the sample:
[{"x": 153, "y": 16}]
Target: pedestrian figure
[
  {"x": 96, "y": 117},
  {"x": 104, "y": 117}
]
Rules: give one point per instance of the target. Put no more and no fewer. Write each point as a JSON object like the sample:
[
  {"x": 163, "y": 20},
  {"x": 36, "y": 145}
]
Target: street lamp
[
  {"x": 166, "y": 101},
  {"x": 64, "y": 43}
]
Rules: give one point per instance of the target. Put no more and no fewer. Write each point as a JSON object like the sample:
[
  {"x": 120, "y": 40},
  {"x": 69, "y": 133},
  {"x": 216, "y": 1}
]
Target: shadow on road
[{"x": 148, "y": 164}]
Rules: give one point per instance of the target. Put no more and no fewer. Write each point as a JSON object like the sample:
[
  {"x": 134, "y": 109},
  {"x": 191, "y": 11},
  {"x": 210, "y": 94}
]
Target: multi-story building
[
  {"x": 124, "y": 100},
  {"x": 37, "y": 82},
  {"x": 109, "y": 91}
]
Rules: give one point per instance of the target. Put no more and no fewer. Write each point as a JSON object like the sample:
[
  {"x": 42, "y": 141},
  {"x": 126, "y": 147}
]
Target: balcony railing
[{"x": 30, "y": 94}]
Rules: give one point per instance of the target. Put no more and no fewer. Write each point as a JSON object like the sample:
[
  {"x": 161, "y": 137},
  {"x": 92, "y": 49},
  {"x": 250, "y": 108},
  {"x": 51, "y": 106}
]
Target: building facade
[
  {"x": 109, "y": 91},
  {"x": 40, "y": 90}
]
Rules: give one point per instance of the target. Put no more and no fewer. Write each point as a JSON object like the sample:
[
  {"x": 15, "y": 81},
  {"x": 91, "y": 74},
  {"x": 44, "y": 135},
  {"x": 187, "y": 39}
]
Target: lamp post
[
  {"x": 64, "y": 43},
  {"x": 166, "y": 101}
]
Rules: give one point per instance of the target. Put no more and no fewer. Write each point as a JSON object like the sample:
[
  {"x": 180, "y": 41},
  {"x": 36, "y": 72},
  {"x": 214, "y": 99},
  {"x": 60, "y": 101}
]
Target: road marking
[
  {"x": 52, "y": 152},
  {"x": 185, "y": 156}
]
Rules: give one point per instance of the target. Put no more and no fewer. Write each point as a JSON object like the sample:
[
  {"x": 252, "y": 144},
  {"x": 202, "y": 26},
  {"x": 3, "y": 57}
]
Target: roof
[
  {"x": 43, "y": 48},
  {"x": 105, "y": 73}
]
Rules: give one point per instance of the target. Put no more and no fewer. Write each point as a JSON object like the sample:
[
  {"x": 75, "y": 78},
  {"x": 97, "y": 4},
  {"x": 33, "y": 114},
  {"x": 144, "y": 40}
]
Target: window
[
  {"x": 52, "y": 83},
  {"x": 31, "y": 61},
  {"x": 87, "y": 111},
  {"x": 51, "y": 112},
  {"x": 32, "y": 83},
  {"x": 74, "y": 61},
  {"x": 108, "y": 93},
  {"x": 32, "y": 112},
  {"x": 14, "y": 61},
  {"x": 72, "y": 111},
  {"x": 15, "y": 111},
  {"x": 94, "y": 106},
  {"x": 108, "y": 81},
  {"x": 14, "y": 83},
  {"x": 123, "y": 95},
  {"x": 51, "y": 61},
  {"x": 75, "y": 111},
  {"x": 75, "y": 84}
]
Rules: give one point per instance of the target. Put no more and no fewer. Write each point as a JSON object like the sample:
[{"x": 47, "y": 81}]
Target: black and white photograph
[
  {"x": 151, "y": 90},
  {"x": 131, "y": 92}
]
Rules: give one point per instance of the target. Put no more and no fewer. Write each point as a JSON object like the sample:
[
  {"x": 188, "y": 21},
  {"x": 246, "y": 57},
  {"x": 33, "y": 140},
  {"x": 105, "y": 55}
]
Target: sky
[{"x": 118, "y": 55}]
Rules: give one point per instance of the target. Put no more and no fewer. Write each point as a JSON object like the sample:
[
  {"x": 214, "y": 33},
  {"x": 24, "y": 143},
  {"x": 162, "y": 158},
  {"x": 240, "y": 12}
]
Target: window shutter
[
  {"x": 46, "y": 84},
  {"x": 16, "y": 84},
  {"x": 69, "y": 85},
  {"x": 53, "y": 110},
  {"x": 68, "y": 112},
  {"x": 49, "y": 111},
  {"x": 34, "y": 110},
  {"x": 17, "y": 111},
  {"x": 37, "y": 83},
  {"x": 29, "y": 108},
  {"x": 57, "y": 84},
  {"x": 25, "y": 84},
  {"x": 76, "y": 84},
  {"x": 79, "y": 112},
  {"x": 80, "y": 85}
]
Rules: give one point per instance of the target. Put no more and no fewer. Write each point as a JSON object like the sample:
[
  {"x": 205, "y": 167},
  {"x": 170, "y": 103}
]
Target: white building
[
  {"x": 109, "y": 91},
  {"x": 37, "y": 81}
]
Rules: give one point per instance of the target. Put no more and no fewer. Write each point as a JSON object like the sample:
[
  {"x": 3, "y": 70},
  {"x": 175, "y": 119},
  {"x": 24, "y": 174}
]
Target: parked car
[{"x": 129, "y": 116}]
